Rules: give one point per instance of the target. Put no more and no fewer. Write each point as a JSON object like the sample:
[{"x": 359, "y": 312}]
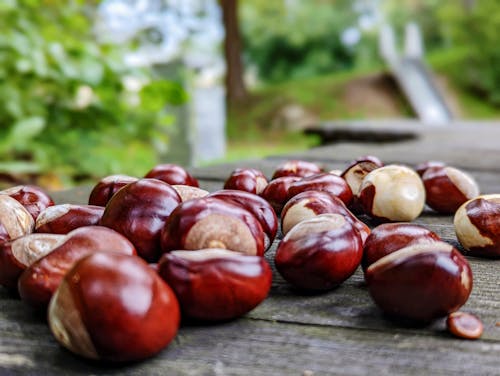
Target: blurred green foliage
[
  {"x": 64, "y": 107},
  {"x": 303, "y": 40}
]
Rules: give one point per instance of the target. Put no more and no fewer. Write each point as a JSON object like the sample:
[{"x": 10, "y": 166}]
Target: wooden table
[{"x": 340, "y": 332}]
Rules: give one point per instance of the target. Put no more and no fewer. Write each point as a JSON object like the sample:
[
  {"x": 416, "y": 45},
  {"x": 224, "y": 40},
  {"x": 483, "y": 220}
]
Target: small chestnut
[
  {"x": 33, "y": 198},
  {"x": 139, "y": 211},
  {"x": 309, "y": 204},
  {"x": 15, "y": 220},
  {"x": 216, "y": 284},
  {"x": 319, "y": 253},
  {"x": 392, "y": 193},
  {"x": 39, "y": 281},
  {"x": 276, "y": 191},
  {"x": 172, "y": 174},
  {"x": 296, "y": 168},
  {"x": 421, "y": 282},
  {"x": 358, "y": 169},
  {"x": 210, "y": 222},
  {"x": 446, "y": 188},
  {"x": 113, "y": 307},
  {"x": 246, "y": 179},
  {"x": 464, "y": 325},
  {"x": 188, "y": 192},
  {"x": 61, "y": 219},
  {"x": 107, "y": 187},
  {"x": 333, "y": 184},
  {"x": 390, "y": 237},
  {"x": 16, "y": 255},
  {"x": 477, "y": 226},
  {"x": 256, "y": 205},
  {"x": 422, "y": 167}
]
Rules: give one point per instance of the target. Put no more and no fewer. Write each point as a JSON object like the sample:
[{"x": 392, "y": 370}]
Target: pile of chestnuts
[{"x": 146, "y": 252}]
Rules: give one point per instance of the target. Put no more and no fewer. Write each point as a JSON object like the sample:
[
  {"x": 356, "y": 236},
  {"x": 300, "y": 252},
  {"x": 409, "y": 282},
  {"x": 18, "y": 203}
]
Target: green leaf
[{"x": 26, "y": 129}]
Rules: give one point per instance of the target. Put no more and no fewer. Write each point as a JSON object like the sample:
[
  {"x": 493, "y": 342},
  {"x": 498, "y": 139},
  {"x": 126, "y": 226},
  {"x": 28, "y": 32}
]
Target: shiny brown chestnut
[
  {"x": 139, "y": 211},
  {"x": 390, "y": 237},
  {"x": 422, "y": 167},
  {"x": 446, "y": 188},
  {"x": 172, "y": 174},
  {"x": 33, "y": 198},
  {"x": 392, "y": 193},
  {"x": 113, "y": 307},
  {"x": 246, "y": 179},
  {"x": 15, "y": 220},
  {"x": 216, "y": 284},
  {"x": 210, "y": 222},
  {"x": 309, "y": 204},
  {"x": 319, "y": 253},
  {"x": 276, "y": 191},
  {"x": 477, "y": 226},
  {"x": 39, "y": 281},
  {"x": 358, "y": 169},
  {"x": 16, "y": 255},
  {"x": 107, "y": 187},
  {"x": 296, "y": 168},
  {"x": 420, "y": 282},
  {"x": 256, "y": 205},
  {"x": 188, "y": 192},
  {"x": 333, "y": 184},
  {"x": 464, "y": 325},
  {"x": 61, "y": 219}
]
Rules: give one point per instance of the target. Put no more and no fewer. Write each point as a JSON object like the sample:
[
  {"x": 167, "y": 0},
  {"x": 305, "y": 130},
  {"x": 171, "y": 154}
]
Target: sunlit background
[{"x": 93, "y": 88}]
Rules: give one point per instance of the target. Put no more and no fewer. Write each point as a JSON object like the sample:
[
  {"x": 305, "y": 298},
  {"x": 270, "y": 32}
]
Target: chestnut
[
  {"x": 113, "y": 307},
  {"x": 464, "y": 325},
  {"x": 309, "y": 204},
  {"x": 216, "y": 284},
  {"x": 390, "y": 237},
  {"x": 477, "y": 226},
  {"x": 296, "y": 168},
  {"x": 172, "y": 174},
  {"x": 422, "y": 167},
  {"x": 61, "y": 219},
  {"x": 392, "y": 193},
  {"x": 358, "y": 169},
  {"x": 256, "y": 205},
  {"x": 319, "y": 253},
  {"x": 33, "y": 198},
  {"x": 210, "y": 222},
  {"x": 15, "y": 220},
  {"x": 16, "y": 255},
  {"x": 276, "y": 191},
  {"x": 139, "y": 211},
  {"x": 246, "y": 179},
  {"x": 39, "y": 281},
  {"x": 188, "y": 192},
  {"x": 333, "y": 184},
  {"x": 446, "y": 188},
  {"x": 421, "y": 282},
  {"x": 107, "y": 187}
]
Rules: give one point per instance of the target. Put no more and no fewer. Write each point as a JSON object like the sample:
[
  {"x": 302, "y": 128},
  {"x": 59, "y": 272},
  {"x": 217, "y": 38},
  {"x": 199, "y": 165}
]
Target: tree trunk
[{"x": 235, "y": 86}]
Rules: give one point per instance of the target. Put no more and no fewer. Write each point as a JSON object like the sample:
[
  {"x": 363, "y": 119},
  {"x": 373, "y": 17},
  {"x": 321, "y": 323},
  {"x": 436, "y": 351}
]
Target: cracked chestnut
[
  {"x": 113, "y": 307},
  {"x": 216, "y": 284}
]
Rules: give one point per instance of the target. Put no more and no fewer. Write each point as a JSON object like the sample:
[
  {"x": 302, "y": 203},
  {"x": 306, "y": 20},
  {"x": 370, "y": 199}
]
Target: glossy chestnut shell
[
  {"x": 216, "y": 284},
  {"x": 319, "y": 253},
  {"x": 296, "y": 168},
  {"x": 15, "y": 220},
  {"x": 33, "y": 198},
  {"x": 38, "y": 282},
  {"x": 276, "y": 192},
  {"x": 390, "y": 237},
  {"x": 61, "y": 219},
  {"x": 421, "y": 282},
  {"x": 107, "y": 187},
  {"x": 139, "y": 211},
  {"x": 210, "y": 222},
  {"x": 333, "y": 184},
  {"x": 113, "y": 307},
  {"x": 246, "y": 179},
  {"x": 446, "y": 188},
  {"x": 172, "y": 174},
  {"x": 477, "y": 226}
]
